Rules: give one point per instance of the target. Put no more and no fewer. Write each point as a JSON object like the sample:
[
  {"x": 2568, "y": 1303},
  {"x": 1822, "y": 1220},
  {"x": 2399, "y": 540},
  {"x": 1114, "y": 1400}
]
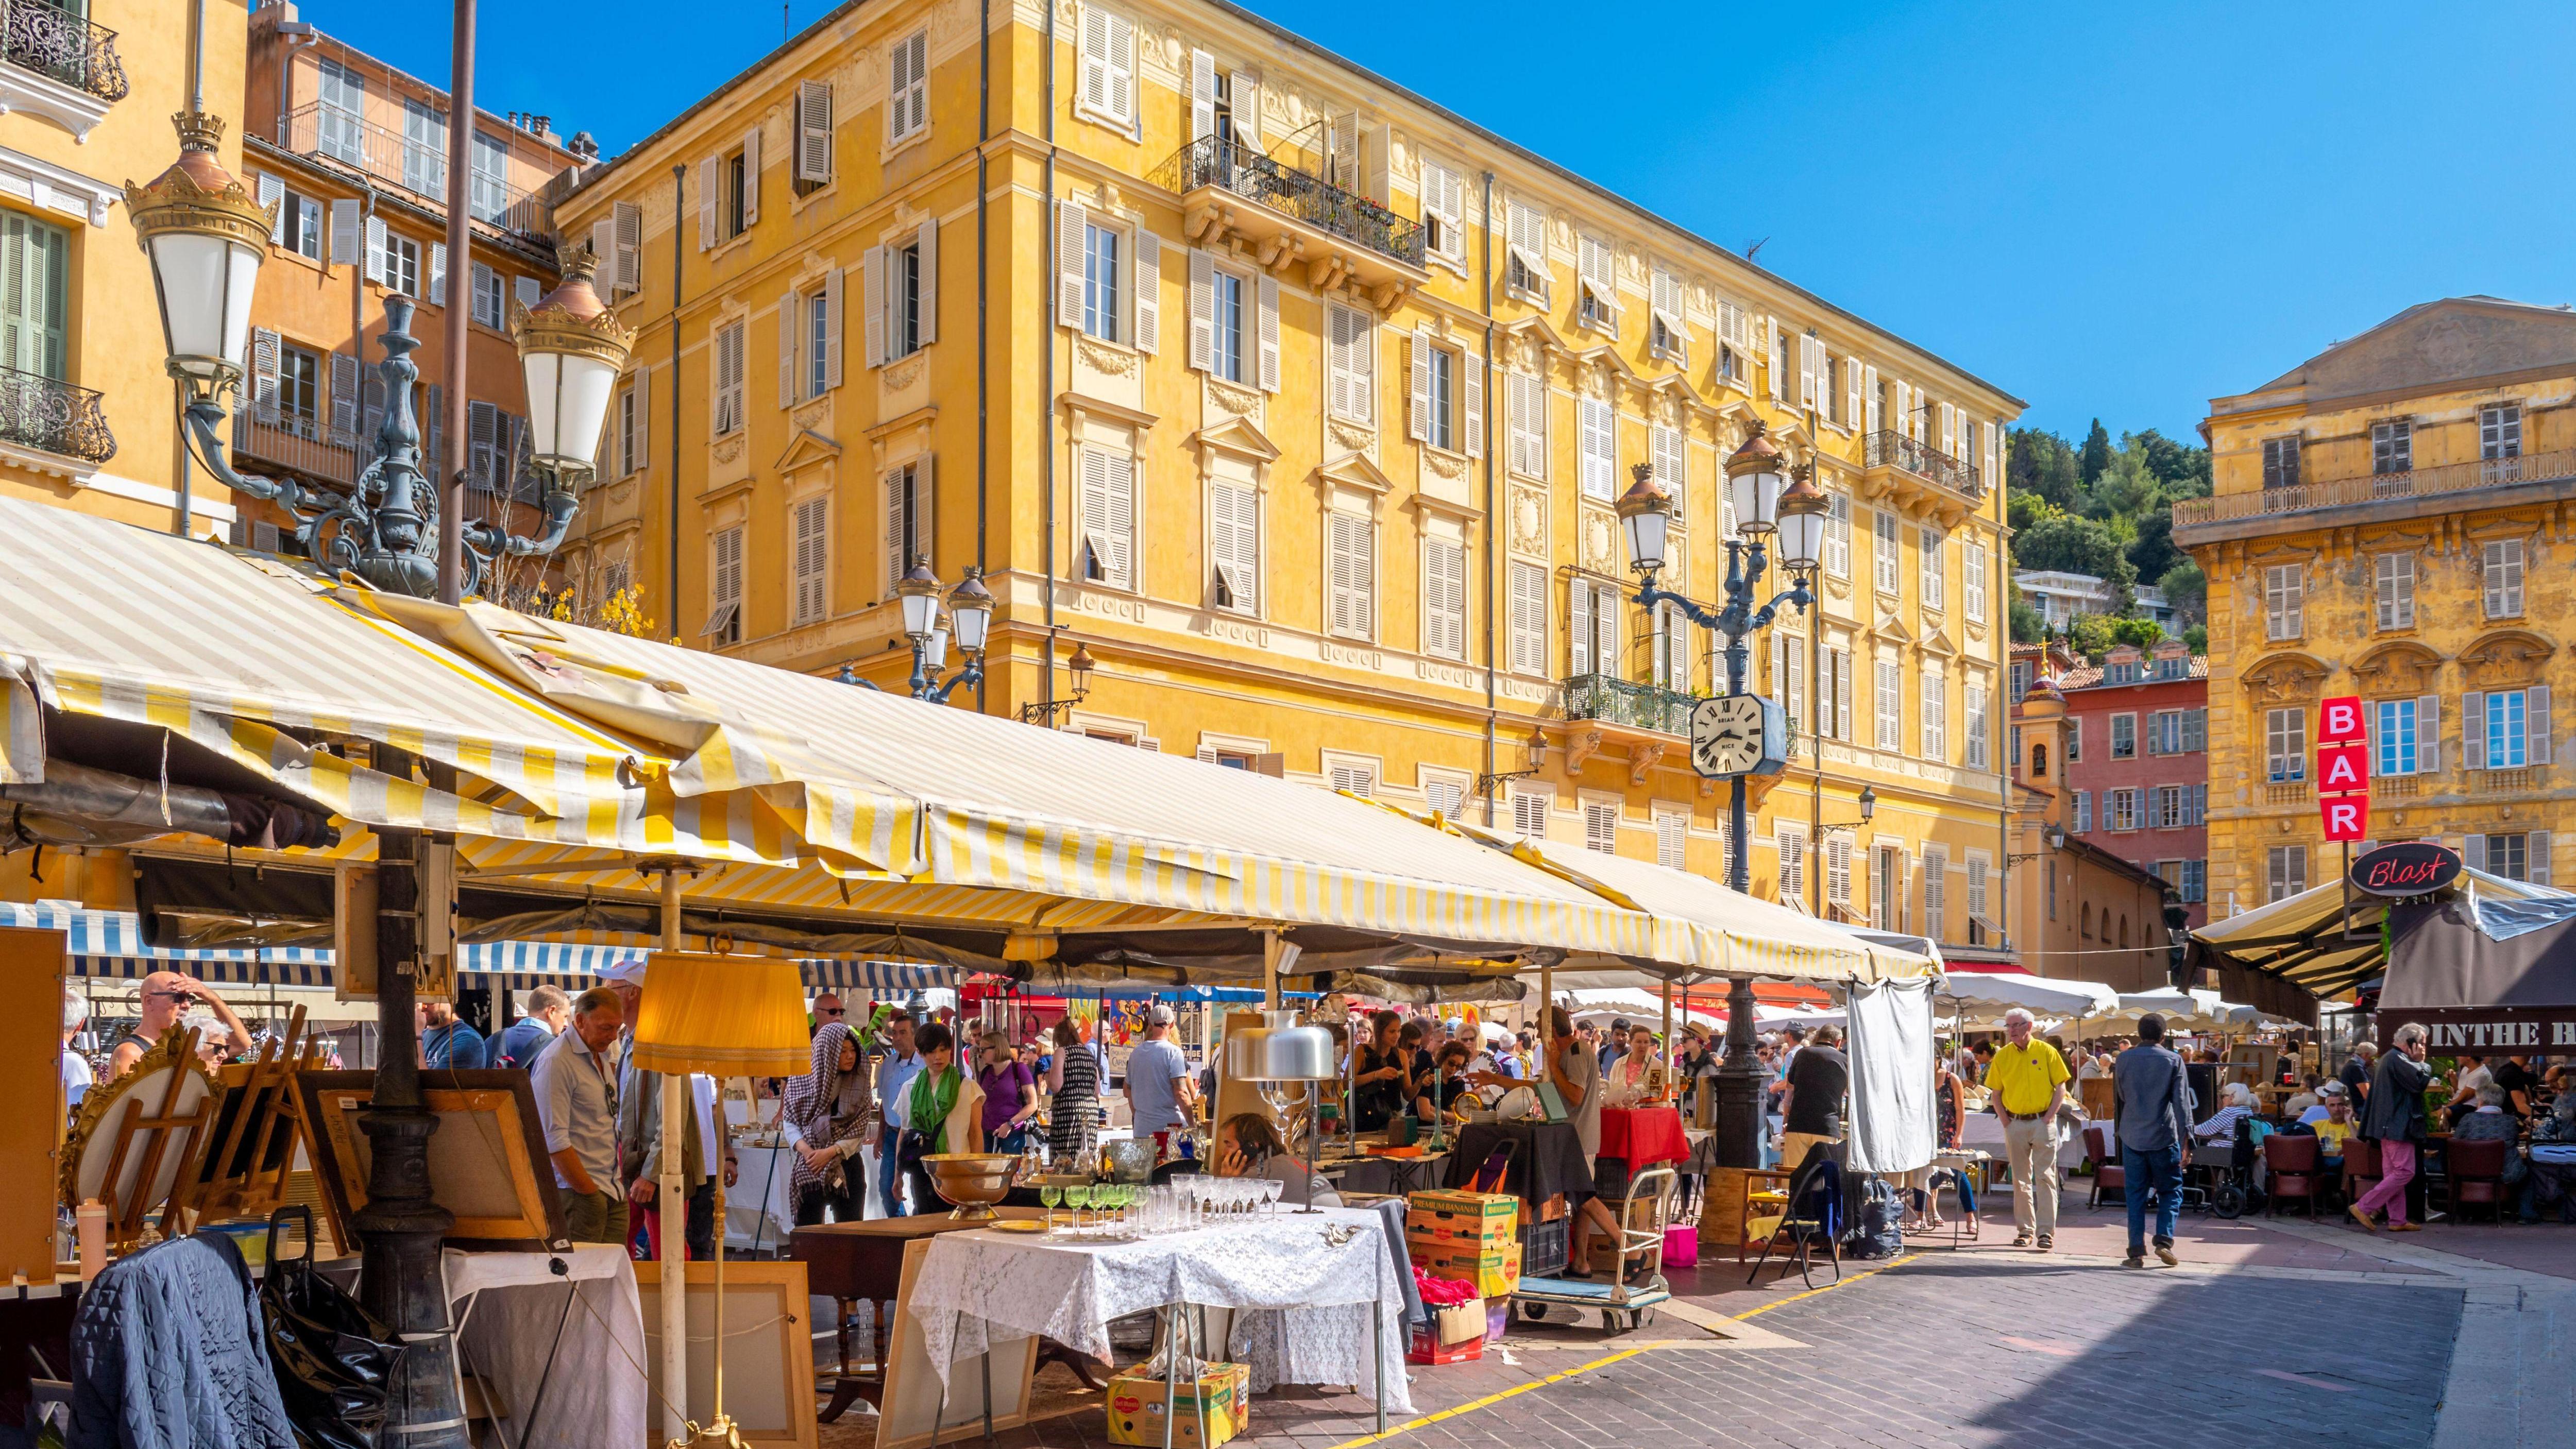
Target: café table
[
  {"x": 1643, "y": 1136},
  {"x": 1326, "y": 1280}
]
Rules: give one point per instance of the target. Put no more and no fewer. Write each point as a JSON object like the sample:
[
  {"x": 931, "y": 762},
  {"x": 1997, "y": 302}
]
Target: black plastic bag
[{"x": 335, "y": 1362}]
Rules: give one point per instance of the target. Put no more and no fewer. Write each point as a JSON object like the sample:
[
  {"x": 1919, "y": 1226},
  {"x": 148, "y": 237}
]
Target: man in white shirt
[{"x": 77, "y": 1077}]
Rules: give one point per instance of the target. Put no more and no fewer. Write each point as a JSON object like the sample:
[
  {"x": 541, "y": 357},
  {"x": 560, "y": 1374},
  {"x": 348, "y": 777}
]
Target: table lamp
[
  {"x": 1285, "y": 1051},
  {"x": 729, "y": 1016}
]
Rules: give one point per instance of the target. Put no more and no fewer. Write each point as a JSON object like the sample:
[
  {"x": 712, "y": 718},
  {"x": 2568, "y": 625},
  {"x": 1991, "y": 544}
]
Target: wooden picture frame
[
  {"x": 251, "y": 1138},
  {"x": 909, "y": 1415},
  {"x": 137, "y": 1135},
  {"x": 769, "y": 1370},
  {"x": 33, "y": 966},
  {"x": 487, "y": 1160}
]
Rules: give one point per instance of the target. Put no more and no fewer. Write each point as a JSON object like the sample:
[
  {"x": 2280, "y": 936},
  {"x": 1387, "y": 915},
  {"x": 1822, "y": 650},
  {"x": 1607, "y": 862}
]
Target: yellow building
[
  {"x": 88, "y": 416},
  {"x": 1298, "y": 403},
  {"x": 2386, "y": 521}
]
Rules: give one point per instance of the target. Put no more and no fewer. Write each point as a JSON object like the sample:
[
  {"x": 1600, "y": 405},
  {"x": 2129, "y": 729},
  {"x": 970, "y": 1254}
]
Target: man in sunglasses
[
  {"x": 167, "y": 996},
  {"x": 828, "y": 1009}
]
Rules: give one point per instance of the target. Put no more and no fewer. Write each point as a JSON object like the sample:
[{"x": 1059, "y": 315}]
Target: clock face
[{"x": 1726, "y": 735}]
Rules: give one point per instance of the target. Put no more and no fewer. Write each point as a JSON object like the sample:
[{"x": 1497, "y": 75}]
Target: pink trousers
[{"x": 2397, "y": 1161}]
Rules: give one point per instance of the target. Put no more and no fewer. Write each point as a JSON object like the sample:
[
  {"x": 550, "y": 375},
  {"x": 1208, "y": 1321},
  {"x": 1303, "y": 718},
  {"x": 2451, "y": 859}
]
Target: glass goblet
[{"x": 1050, "y": 1194}]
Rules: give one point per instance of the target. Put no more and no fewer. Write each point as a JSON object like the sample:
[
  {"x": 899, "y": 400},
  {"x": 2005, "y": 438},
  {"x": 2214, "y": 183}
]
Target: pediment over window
[
  {"x": 2398, "y": 670},
  {"x": 2506, "y": 658},
  {"x": 1237, "y": 435},
  {"x": 805, "y": 450},
  {"x": 2281, "y": 678}
]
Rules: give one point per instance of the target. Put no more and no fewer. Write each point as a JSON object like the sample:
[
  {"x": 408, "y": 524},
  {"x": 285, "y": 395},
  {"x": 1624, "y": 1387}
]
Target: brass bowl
[{"x": 971, "y": 1181}]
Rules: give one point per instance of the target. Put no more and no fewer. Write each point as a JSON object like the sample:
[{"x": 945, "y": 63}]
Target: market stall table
[
  {"x": 1643, "y": 1136},
  {"x": 1547, "y": 1159},
  {"x": 1337, "y": 1305},
  {"x": 576, "y": 1336}
]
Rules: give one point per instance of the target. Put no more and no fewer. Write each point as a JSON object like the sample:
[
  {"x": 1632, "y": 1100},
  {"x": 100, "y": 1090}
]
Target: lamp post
[
  {"x": 1078, "y": 669},
  {"x": 1766, "y": 504},
  {"x": 965, "y": 619},
  {"x": 2178, "y": 930},
  {"x": 1535, "y": 752}
]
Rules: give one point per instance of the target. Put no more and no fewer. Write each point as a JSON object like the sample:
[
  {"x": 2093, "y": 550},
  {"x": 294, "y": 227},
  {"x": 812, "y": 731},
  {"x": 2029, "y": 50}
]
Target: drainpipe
[
  {"x": 1046, "y": 377},
  {"x": 1493, "y": 519},
  {"x": 679, "y": 211},
  {"x": 983, "y": 296}
]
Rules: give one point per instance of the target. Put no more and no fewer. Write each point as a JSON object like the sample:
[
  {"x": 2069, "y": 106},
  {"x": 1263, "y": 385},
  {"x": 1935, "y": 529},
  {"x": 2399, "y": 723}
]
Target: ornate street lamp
[
  {"x": 1534, "y": 756},
  {"x": 1754, "y": 479},
  {"x": 966, "y": 619},
  {"x": 206, "y": 235},
  {"x": 1078, "y": 669},
  {"x": 571, "y": 350}
]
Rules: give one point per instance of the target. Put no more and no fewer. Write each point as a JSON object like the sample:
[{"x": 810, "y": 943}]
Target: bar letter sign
[{"x": 2343, "y": 768}]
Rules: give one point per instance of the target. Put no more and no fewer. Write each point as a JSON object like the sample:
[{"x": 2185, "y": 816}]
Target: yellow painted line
[{"x": 1579, "y": 1369}]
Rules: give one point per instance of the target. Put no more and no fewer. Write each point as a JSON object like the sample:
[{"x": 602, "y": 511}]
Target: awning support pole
[{"x": 674, "y": 1206}]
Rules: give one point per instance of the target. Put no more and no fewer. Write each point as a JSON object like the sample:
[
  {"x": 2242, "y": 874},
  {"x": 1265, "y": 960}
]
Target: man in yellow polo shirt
[{"x": 2028, "y": 1081}]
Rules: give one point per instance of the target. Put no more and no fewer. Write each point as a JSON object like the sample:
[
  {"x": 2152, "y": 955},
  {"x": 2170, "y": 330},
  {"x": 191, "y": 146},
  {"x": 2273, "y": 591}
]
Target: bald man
[{"x": 167, "y": 995}]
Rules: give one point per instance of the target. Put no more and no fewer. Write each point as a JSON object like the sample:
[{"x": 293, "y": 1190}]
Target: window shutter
[
  {"x": 1527, "y": 396},
  {"x": 895, "y": 534},
  {"x": 272, "y": 193},
  {"x": 2536, "y": 858},
  {"x": 925, "y": 246},
  {"x": 1600, "y": 459},
  {"x": 2428, "y": 733},
  {"x": 1338, "y": 383},
  {"x": 629, "y": 276},
  {"x": 1851, "y": 393},
  {"x": 750, "y": 176},
  {"x": 1472, "y": 384},
  {"x": 707, "y": 203},
  {"x": 1120, "y": 522},
  {"x": 344, "y": 394},
  {"x": 1247, "y": 107},
  {"x": 2473, "y": 852},
  {"x": 814, "y": 131},
  {"x": 787, "y": 347},
  {"x": 1202, "y": 311},
  {"x": 1122, "y": 71},
  {"x": 1579, "y": 609},
  {"x": 1149, "y": 292},
  {"x": 2473, "y": 731},
  {"x": 375, "y": 253},
  {"x": 1094, "y": 59},
  {"x": 832, "y": 328},
  {"x": 1202, "y": 95},
  {"x": 1417, "y": 352},
  {"x": 872, "y": 303},
  {"x": 2536, "y": 723},
  {"x": 348, "y": 233},
  {"x": 1269, "y": 333},
  {"x": 482, "y": 439},
  {"x": 438, "y": 274},
  {"x": 603, "y": 245}
]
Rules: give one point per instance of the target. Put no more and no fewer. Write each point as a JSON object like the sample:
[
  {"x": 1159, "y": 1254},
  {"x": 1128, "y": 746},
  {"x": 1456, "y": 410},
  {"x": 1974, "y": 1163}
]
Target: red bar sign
[
  {"x": 2339, "y": 720},
  {"x": 2347, "y": 817},
  {"x": 2343, "y": 769}
]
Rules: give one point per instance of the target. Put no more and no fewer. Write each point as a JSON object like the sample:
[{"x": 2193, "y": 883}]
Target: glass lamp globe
[
  {"x": 1754, "y": 476},
  {"x": 206, "y": 236},
  {"x": 1646, "y": 515},
  {"x": 571, "y": 350}
]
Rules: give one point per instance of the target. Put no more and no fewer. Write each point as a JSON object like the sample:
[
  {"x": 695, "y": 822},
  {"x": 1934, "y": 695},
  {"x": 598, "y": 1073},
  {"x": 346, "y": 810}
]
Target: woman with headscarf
[{"x": 825, "y": 1118}]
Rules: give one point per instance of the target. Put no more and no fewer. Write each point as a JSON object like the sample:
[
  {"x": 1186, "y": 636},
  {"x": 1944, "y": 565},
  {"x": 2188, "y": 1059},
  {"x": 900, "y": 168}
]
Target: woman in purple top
[{"x": 1010, "y": 1094}]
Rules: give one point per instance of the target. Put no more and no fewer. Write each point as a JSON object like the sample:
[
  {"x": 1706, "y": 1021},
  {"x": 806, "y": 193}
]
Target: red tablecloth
[{"x": 1643, "y": 1135}]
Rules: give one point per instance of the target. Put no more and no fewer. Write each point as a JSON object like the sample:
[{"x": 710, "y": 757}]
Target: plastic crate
[{"x": 1543, "y": 1247}]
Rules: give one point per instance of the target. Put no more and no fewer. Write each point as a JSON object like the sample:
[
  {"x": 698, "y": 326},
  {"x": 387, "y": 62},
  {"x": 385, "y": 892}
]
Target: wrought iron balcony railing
[
  {"x": 1891, "y": 449},
  {"x": 1245, "y": 171},
  {"x": 415, "y": 165},
  {"x": 52, "y": 41},
  {"x": 1612, "y": 700},
  {"x": 55, "y": 417},
  {"x": 2468, "y": 477}
]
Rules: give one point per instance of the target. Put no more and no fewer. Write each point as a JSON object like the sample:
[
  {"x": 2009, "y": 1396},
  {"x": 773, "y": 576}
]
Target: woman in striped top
[{"x": 1073, "y": 1090}]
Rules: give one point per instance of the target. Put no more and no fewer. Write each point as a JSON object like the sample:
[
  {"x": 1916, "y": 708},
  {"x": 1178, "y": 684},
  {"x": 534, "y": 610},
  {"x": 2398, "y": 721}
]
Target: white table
[
  {"x": 1334, "y": 1307},
  {"x": 760, "y": 1207},
  {"x": 508, "y": 1308}
]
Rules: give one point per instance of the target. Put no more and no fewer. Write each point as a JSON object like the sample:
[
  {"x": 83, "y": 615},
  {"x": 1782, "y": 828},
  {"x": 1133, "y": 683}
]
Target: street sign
[
  {"x": 1733, "y": 735},
  {"x": 2406, "y": 868},
  {"x": 2343, "y": 769}
]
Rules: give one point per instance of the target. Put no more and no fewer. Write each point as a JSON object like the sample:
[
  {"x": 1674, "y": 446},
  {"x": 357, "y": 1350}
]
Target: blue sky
[{"x": 2112, "y": 210}]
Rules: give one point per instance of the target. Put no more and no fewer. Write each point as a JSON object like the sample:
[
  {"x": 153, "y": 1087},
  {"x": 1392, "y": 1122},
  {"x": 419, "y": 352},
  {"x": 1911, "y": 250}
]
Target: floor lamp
[{"x": 729, "y": 1016}]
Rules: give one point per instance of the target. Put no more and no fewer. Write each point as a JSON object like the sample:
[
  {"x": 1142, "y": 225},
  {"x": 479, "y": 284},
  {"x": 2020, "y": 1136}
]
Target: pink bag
[{"x": 1681, "y": 1246}]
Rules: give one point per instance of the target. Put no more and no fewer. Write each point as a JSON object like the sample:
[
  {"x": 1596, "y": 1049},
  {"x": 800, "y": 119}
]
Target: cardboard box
[
  {"x": 1134, "y": 1404},
  {"x": 1495, "y": 1272},
  {"x": 1457, "y": 1322},
  {"x": 1440, "y": 1219},
  {"x": 1553, "y": 1209},
  {"x": 1426, "y": 1348}
]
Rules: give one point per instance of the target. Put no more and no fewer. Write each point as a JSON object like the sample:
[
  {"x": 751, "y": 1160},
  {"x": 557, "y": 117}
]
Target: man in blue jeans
[
  {"x": 899, "y": 1065},
  {"x": 2153, "y": 1111}
]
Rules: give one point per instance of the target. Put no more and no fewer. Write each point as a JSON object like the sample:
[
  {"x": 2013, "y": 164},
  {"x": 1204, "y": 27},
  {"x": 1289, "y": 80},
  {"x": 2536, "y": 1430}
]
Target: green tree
[
  {"x": 2041, "y": 464},
  {"x": 2197, "y": 636},
  {"x": 2182, "y": 468},
  {"x": 2186, "y": 589},
  {"x": 2153, "y": 553},
  {"x": 2143, "y": 633},
  {"x": 2091, "y": 636},
  {"x": 2028, "y": 510},
  {"x": 2096, "y": 455},
  {"x": 2075, "y": 545},
  {"x": 2027, "y": 626}
]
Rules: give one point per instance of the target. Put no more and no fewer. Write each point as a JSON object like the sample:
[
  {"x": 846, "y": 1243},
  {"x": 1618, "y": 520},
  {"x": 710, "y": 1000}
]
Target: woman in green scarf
[{"x": 930, "y": 1098}]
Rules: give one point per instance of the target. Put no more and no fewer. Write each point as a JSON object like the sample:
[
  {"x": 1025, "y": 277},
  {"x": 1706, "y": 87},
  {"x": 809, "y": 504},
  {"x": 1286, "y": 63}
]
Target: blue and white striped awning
[{"x": 109, "y": 945}]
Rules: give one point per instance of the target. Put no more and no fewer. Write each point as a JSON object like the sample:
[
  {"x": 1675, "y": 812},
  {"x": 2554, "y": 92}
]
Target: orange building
[{"x": 355, "y": 154}]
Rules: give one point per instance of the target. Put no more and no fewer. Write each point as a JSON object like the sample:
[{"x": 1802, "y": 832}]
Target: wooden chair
[
  {"x": 2361, "y": 1170},
  {"x": 2473, "y": 1172},
  {"x": 2108, "y": 1174},
  {"x": 2293, "y": 1161}
]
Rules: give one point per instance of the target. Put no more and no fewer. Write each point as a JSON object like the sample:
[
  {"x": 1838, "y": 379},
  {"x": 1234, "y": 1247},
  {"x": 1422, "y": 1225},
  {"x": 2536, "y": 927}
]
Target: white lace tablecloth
[{"x": 1069, "y": 1291}]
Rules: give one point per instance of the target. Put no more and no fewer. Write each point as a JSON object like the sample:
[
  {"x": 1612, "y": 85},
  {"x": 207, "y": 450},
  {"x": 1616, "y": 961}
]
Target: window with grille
[
  {"x": 2284, "y": 601},
  {"x": 2285, "y": 872},
  {"x": 2392, "y": 446},
  {"x": 2281, "y": 462},
  {"x": 1444, "y": 599},
  {"x": 1234, "y": 547},
  {"x": 1890, "y": 699},
  {"x": 2285, "y": 745},
  {"x": 1528, "y": 589},
  {"x": 2393, "y": 576},
  {"x": 1884, "y": 563},
  {"x": 1352, "y": 581},
  {"x": 1672, "y": 831},
  {"x": 724, "y": 587},
  {"x": 2124, "y": 737},
  {"x": 1601, "y": 827},
  {"x": 2500, "y": 431},
  {"x": 813, "y": 559},
  {"x": 1936, "y": 869},
  {"x": 1978, "y": 752},
  {"x": 2503, "y": 576},
  {"x": 2122, "y": 808},
  {"x": 1529, "y": 812}
]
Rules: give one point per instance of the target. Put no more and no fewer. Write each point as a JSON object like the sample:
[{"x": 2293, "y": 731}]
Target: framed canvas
[
  {"x": 768, "y": 1349},
  {"x": 909, "y": 1414},
  {"x": 258, "y": 1123},
  {"x": 487, "y": 1160},
  {"x": 137, "y": 1134}
]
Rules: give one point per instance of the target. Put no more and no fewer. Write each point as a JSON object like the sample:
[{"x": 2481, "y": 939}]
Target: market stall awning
[
  {"x": 2303, "y": 940},
  {"x": 1988, "y": 994},
  {"x": 2481, "y": 985}
]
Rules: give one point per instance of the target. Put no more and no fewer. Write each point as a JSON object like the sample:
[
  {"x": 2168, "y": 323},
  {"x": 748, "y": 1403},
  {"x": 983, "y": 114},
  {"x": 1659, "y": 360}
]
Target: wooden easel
[
  {"x": 125, "y": 1216},
  {"x": 257, "y": 1124}
]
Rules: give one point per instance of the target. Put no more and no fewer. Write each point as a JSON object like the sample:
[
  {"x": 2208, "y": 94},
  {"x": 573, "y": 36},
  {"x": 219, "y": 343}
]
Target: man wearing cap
[
  {"x": 639, "y": 1128},
  {"x": 1160, "y": 1092}
]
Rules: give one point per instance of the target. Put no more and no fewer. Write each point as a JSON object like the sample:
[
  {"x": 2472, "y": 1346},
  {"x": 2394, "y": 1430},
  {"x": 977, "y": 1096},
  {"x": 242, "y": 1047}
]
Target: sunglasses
[
  {"x": 832, "y": 1011},
  {"x": 174, "y": 995}
]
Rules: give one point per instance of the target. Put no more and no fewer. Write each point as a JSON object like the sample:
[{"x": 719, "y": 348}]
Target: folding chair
[{"x": 1815, "y": 1207}]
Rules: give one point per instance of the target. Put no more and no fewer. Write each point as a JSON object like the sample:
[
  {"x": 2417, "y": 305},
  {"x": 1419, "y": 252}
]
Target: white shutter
[
  {"x": 1247, "y": 107},
  {"x": 375, "y": 254},
  {"x": 629, "y": 276},
  {"x": 1269, "y": 333},
  {"x": 787, "y": 347},
  {"x": 272, "y": 193},
  {"x": 1149, "y": 291},
  {"x": 814, "y": 131},
  {"x": 2428, "y": 734},
  {"x": 1119, "y": 523},
  {"x": 348, "y": 233},
  {"x": 1579, "y": 611},
  {"x": 2535, "y": 704},
  {"x": 1417, "y": 352},
  {"x": 750, "y": 177},
  {"x": 1869, "y": 404},
  {"x": 603, "y": 245},
  {"x": 1352, "y": 573},
  {"x": 1529, "y": 618},
  {"x": 925, "y": 253},
  {"x": 344, "y": 394},
  {"x": 1600, "y": 449},
  {"x": 832, "y": 328},
  {"x": 2473, "y": 730},
  {"x": 1202, "y": 95},
  {"x": 872, "y": 303},
  {"x": 1526, "y": 406},
  {"x": 1668, "y": 451},
  {"x": 897, "y": 536},
  {"x": 1851, "y": 393},
  {"x": 438, "y": 274},
  {"x": 1121, "y": 103},
  {"x": 813, "y": 559},
  {"x": 1202, "y": 311},
  {"x": 2473, "y": 854},
  {"x": 1807, "y": 349},
  {"x": 1341, "y": 349},
  {"x": 1472, "y": 384},
  {"x": 264, "y": 345},
  {"x": 707, "y": 203},
  {"x": 1094, "y": 58}
]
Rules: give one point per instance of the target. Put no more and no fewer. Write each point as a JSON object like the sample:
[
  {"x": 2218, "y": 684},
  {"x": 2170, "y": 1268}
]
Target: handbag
[{"x": 335, "y": 1361}]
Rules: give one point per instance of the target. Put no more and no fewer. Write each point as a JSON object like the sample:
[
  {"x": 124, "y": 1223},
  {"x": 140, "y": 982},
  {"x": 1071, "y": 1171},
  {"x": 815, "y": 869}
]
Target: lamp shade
[
  {"x": 731, "y": 1016},
  {"x": 919, "y": 591},
  {"x": 1754, "y": 477},
  {"x": 970, "y": 609},
  {"x": 206, "y": 236},
  {"x": 571, "y": 350},
  {"x": 1645, "y": 514},
  {"x": 1804, "y": 511}
]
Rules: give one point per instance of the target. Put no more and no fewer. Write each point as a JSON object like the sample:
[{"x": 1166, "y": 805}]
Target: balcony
[
  {"x": 270, "y": 438},
  {"x": 1612, "y": 700},
  {"x": 417, "y": 167},
  {"x": 1297, "y": 215},
  {"x": 1914, "y": 471},
  {"x": 2381, "y": 497},
  {"x": 60, "y": 66},
  {"x": 53, "y": 417}
]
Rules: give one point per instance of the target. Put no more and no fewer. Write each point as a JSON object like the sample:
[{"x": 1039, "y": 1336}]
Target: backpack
[{"x": 1877, "y": 1229}]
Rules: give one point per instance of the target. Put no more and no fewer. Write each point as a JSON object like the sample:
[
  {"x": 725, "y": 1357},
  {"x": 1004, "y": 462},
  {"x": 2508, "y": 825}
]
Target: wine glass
[
  {"x": 1271, "y": 1188},
  {"x": 1050, "y": 1194},
  {"x": 1079, "y": 1195}
]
